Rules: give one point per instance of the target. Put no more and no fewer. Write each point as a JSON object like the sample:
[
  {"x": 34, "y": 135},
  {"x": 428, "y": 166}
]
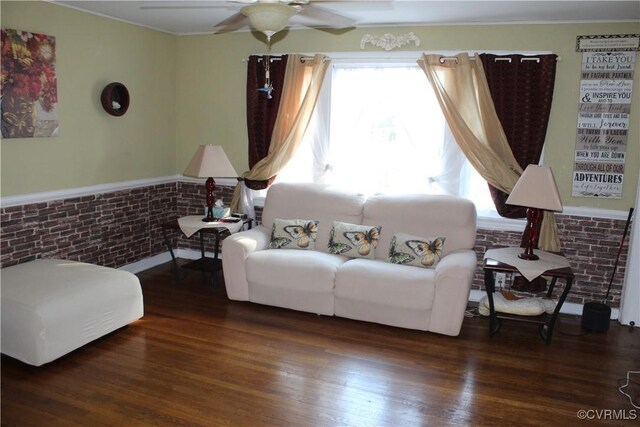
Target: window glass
[{"x": 378, "y": 128}]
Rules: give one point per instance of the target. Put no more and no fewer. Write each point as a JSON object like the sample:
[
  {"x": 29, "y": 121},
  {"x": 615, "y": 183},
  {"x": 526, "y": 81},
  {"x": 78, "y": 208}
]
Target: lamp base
[
  {"x": 210, "y": 185},
  {"x": 209, "y": 217},
  {"x": 531, "y": 232},
  {"x": 528, "y": 257}
]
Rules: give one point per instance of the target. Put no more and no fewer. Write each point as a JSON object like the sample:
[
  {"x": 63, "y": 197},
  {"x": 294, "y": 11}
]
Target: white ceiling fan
[{"x": 271, "y": 16}]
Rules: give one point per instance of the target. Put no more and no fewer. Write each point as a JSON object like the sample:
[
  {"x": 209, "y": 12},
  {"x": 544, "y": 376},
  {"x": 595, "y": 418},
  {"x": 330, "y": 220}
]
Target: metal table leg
[
  {"x": 167, "y": 242},
  {"x": 490, "y": 286},
  {"x": 214, "y": 267},
  {"x": 546, "y": 330}
]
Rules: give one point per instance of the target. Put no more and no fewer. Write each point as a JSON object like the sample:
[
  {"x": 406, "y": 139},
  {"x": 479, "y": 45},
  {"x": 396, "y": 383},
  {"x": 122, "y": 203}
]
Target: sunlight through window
[{"x": 378, "y": 128}]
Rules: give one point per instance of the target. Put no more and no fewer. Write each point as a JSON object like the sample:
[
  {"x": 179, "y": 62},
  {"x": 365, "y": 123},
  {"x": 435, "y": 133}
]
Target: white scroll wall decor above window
[{"x": 389, "y": 41}]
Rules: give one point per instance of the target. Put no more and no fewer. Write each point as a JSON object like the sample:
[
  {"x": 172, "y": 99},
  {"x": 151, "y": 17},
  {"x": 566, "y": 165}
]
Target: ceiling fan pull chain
[
  {"x": 268, "y": 87},
  {"x": 268, "y": 64}
]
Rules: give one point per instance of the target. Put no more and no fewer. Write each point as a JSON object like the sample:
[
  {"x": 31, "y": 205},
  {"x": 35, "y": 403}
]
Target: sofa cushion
[
  {"x": 414, "y": 250},
  {"x": 381, "y": 292},
  {"x": 353, "y": 240},
  {"x": 300, "y": 280},
  {"x": 451, "y": 217},
  {"x": 320, "y": 202},
  {"x": 293, "y": 234}
]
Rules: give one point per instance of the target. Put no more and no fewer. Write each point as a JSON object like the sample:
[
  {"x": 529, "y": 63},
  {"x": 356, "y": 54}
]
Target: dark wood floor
[{"x": 198, "y": 359}]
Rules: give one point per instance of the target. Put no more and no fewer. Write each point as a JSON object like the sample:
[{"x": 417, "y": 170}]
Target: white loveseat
[{"x": 371, "y": 290}]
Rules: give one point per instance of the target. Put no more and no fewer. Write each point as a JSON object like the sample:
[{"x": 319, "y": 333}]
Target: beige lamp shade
[
  {"x": 269, "y": 18},
  {"x": 210, "y": 161},
  {"x": 536, "y": 188}
]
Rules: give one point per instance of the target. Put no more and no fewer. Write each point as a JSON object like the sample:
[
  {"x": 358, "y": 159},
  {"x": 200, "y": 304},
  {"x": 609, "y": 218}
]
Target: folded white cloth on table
[
  {"x": 529, "y": 269},
  {"x": 193, "y": 223}
]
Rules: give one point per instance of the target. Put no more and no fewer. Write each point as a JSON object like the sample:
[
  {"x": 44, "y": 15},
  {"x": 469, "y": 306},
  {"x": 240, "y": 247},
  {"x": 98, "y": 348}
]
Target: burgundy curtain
[
  {"x": 522, "y": 90},
  {"x": 262, "y": 111}
]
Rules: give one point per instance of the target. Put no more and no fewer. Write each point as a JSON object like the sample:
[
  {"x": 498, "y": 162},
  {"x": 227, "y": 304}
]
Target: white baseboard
[
  {"x": 193, "y": 254},
  {"x": 147, "y": 263},
  {"x": 571, "y": 308},
  {"x": 163, "y": 257}
]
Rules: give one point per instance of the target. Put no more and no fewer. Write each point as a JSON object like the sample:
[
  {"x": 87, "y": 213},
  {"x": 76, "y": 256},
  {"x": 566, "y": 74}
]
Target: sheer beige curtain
[
  {"x": 462, "y": 91},
  {"x": 302, "y": 83}
]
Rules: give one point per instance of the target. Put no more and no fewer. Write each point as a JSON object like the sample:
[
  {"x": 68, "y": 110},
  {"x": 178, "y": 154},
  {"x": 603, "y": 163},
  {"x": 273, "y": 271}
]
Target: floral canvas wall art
[{"x": 29, "y": 86}]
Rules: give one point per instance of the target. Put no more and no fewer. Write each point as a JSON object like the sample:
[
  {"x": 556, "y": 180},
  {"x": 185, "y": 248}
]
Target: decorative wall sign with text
[
  {"x": 603, "y": 123},
  {"x": 608, "y": 43},
  {"x": 29, "y": 85}
]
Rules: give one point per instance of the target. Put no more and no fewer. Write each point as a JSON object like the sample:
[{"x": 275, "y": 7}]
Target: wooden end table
[
  {"x": 546, "y": 321},
  {"x": 205, "y": 263}
]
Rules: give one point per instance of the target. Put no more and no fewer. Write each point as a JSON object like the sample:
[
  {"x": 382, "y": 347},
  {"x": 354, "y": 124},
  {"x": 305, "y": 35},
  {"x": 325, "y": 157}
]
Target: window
[{"x": 378, "y": 128}]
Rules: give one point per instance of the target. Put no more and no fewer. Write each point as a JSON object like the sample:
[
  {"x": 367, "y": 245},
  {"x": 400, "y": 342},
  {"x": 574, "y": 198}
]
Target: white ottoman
[{"x": 51, "y": 307}]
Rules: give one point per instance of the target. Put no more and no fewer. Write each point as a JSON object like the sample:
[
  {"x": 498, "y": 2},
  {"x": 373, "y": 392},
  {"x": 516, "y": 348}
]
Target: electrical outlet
[{"x": 500, "y": 279}]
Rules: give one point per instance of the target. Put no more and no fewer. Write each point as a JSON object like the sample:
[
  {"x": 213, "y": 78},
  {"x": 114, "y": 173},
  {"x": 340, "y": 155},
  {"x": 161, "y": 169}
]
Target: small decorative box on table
[
  {"x": 505, "y": 260},
  {"x": 189, "y": 225}
]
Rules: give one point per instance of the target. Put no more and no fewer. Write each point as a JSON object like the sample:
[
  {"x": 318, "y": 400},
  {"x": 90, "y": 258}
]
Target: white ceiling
[{"x": 197, "y": 17}]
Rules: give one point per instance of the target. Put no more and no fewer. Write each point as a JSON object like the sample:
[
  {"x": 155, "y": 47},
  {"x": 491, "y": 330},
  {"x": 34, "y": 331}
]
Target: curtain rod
[
  {"x": 523, "y": 59},
  {"x": 279, "y": 58},
  {"x": 442, "y": 58}
]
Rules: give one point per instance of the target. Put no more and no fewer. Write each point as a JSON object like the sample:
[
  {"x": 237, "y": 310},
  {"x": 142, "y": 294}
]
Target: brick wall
[
  {"x": 122, "y": 227},
  {"x": 111, "y": 229}
]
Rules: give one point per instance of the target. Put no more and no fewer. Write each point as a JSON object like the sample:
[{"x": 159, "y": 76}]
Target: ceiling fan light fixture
[{"x": 269, "y": 18}]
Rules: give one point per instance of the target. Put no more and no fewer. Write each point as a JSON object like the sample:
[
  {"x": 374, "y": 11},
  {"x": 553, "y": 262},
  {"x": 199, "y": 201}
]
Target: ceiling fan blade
[
  {"x": 335, "y": 31},
  {"x": 186, "y": 6},
  {"x": 232, "y": 23},
  {"x": 328, "y": 19}
]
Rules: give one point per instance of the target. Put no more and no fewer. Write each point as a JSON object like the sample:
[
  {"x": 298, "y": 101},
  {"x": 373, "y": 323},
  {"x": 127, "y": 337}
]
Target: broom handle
[{"x": 615, "y": 266}]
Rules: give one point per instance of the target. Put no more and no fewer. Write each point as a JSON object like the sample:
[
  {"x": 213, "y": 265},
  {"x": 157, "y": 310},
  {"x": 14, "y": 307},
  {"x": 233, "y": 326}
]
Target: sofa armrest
[
  {"x": 235, "y": 251},
  {"x": 454, "y": 276}
]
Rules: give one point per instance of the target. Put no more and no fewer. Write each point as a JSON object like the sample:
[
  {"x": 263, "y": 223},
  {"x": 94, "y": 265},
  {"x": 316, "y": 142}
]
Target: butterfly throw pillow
[
  {"x": 414, "y": 250},
  {"x": 353, "y": 240},
  {"x": 293, "y": 234}
]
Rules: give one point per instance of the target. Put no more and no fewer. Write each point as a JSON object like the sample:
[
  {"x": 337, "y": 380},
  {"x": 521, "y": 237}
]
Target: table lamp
[
  {"x": 537, "y": 191},
  {"x": 210, "y": 161}
]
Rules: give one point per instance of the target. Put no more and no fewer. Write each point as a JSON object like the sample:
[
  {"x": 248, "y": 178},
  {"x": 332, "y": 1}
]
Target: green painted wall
[
  {"x": 211, "y": 86},
  {"x": 190, "y": 90},
  {"x": 94, "y": 147}
]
